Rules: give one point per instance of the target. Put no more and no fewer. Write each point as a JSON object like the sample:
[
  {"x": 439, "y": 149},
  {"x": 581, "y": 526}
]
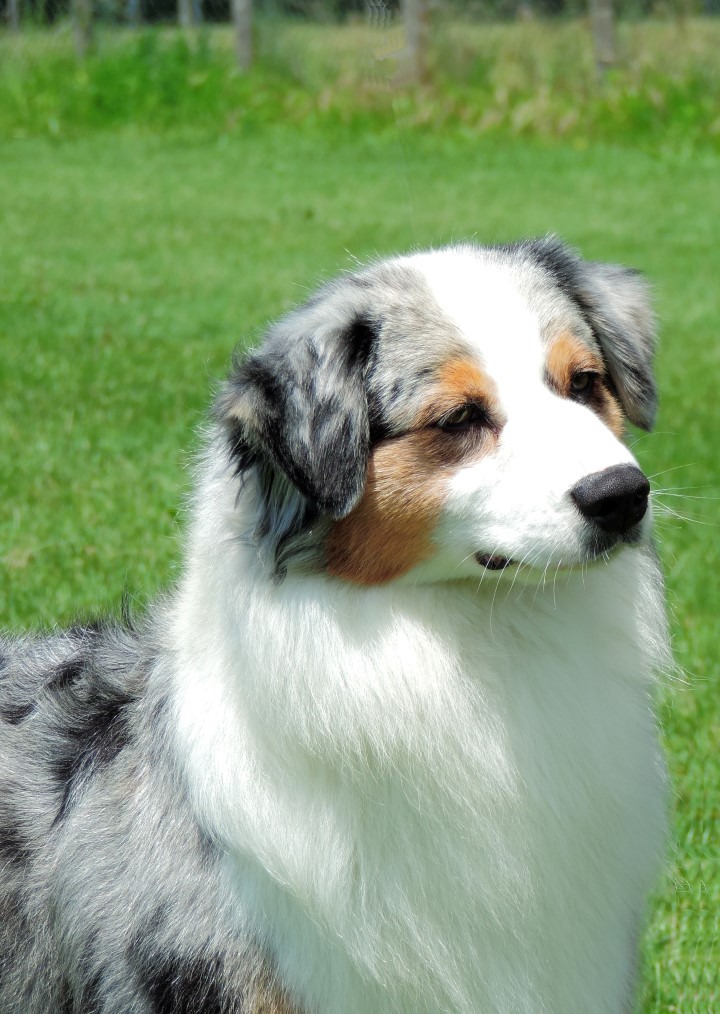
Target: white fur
[{"x": 438, "y": 797}]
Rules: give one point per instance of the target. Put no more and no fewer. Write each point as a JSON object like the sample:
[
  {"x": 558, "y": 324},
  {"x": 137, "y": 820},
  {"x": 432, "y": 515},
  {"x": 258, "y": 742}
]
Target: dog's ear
[
  {"x": 298, "y": 402},
  {"x": 615, "y": 301}
]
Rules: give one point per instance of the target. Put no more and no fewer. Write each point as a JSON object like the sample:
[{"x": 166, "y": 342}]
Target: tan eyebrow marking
[
  {"x": 567, "y": 355},
  {"x": 459, "y": 382}
]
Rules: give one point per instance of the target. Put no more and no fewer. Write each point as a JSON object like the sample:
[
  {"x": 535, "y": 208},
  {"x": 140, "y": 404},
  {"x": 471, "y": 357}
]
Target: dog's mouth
[
  {"x": 596, "y": 551},
  {"x": 490, "y": 562}
]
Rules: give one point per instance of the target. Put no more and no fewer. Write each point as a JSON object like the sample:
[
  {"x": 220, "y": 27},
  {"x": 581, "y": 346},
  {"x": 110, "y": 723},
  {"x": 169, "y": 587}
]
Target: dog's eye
[
  {"x": 582, "y": 384},
  {"x": 463, "y": 417}
]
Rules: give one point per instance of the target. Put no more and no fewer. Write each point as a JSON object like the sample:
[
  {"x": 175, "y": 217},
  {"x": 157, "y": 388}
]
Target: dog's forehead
[
  {"x": 500, "y": 312},
  {"x": 488, "y": 305}
]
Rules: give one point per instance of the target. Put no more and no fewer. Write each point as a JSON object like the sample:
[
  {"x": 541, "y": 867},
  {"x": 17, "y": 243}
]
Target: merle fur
[{"x": 101, "y": 858}]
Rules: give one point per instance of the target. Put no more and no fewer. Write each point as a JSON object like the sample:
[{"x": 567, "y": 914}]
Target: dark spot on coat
[
  {"x": 13, "y": 846},
  {"x": 15, "y": 713},
  {"x": 66, "y": 674},
  {"x": 93, "y": 738},
  {"x": 83, "y": 999},
  {"x": 361, "y": 337},
  {"x": 176, "y": 985}
]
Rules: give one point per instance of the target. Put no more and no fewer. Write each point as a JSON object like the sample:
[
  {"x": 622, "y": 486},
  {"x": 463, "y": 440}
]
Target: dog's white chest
[{"x": 453, "y": 816}]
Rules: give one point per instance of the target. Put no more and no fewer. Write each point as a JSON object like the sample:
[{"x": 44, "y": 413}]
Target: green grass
[
  {"x": 131, "y": 262},
  {"x": 530, "y": 79}
]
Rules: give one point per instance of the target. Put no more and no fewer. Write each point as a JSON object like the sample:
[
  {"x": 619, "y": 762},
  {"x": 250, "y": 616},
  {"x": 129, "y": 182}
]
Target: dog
[{"x": 389, "y": 747}]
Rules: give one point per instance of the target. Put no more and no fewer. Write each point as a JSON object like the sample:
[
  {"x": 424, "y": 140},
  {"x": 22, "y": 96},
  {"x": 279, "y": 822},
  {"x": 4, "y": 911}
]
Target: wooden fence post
[
  {"x": 185, "y": 13},
  {"x": 13, "y": 15},
  {"x": 82, "y": 17},
  {"x": 242, "y": 20},
  {"x": 416, "y": 16},
  {"x": 602, "y": 25}
]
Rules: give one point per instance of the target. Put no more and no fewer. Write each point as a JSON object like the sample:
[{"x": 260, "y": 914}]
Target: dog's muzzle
[{"x": 615, "y": 499}]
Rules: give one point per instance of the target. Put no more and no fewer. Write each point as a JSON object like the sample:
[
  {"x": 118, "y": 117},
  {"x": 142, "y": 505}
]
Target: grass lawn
[{"x": 129, "y": 268}]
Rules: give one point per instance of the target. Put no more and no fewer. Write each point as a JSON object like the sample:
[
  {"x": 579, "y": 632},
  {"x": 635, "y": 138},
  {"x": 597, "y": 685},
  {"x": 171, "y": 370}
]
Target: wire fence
[
  {"x": 16, "y": 14},
  {"x": 518, "y": 66}
]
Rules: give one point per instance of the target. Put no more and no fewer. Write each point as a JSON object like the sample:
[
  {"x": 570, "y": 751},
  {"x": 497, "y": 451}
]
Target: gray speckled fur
[{"x": 110, "y": 897}]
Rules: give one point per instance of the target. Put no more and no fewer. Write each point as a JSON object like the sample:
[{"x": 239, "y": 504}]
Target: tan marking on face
[
  {"x": 390, "y": 531},
  {"x": 459, "y": 382},
  {"x": 567, "y": 355}
]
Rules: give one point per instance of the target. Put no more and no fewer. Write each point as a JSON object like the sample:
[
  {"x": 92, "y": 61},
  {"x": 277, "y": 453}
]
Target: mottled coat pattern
[{"x": 102, "y": 862}]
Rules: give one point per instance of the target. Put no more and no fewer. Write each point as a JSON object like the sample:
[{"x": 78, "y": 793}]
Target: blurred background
[
  {"x": 645, "y": 71},
  {"x": 176, "y": 173}
]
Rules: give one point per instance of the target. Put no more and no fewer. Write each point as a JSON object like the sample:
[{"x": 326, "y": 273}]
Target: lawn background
[{"x": 135, "y": 252}]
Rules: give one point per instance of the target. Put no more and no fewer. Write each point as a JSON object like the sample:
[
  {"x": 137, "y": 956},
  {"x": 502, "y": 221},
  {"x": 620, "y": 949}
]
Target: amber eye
[
  {"x": 463, "y": 417},
  {"x": 582, "y": 384}
]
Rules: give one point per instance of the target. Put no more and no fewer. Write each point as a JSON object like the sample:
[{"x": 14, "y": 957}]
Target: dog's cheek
[{"x": 391, "y": 529}]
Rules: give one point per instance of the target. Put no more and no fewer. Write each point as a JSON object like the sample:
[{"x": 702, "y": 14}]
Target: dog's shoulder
[
  {"x": 33, "y": 667},
  {"x": 65, "y": 712}
]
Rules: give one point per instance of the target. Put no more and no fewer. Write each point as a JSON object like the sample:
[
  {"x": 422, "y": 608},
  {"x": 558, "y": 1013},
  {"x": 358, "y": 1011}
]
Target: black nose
[{"x": 615, "y": 499}]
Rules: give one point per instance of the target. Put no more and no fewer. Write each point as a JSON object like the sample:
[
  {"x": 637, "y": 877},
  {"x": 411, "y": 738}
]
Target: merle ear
[
  {"x": 299, "y": 402},
  {"x": 615, "y": 301},
  {"x": 617, "y": 306}
]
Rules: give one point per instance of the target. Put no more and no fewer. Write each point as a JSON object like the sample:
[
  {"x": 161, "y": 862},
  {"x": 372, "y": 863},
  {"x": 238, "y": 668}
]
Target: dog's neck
[{"x": 400, "y": 771}]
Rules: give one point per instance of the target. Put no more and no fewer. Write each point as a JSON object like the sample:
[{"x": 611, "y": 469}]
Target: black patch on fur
[
  {"x": 13, "y": 847},
  {"x": 96, "y": 733},
  {"x": 188, "y": 987},
  {"x": 85, "y": 1000},
  {"x": 14, "y": 714},
  {"x": 176, "y": 985},
  {"x": 361, "y": 337},
  {"x": 65, "y": 1001},
  {"x": 66, "y": 674}
]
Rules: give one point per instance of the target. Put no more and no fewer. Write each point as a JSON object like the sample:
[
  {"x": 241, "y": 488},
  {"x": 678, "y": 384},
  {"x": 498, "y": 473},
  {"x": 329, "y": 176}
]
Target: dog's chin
[{"x": 596, "y": 550}]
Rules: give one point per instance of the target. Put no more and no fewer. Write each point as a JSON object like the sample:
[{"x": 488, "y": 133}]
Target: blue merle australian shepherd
[{"x": 389, "y": 747}]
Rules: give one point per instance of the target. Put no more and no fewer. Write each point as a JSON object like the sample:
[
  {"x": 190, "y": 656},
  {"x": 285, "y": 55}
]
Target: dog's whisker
[
  {"x": 675, "y": 468},
  {"x": 692, "y": 519}
]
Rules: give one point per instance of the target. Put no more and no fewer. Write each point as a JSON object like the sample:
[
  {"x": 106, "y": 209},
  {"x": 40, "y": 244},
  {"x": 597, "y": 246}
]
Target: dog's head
[{"x": 455, "y": 411}]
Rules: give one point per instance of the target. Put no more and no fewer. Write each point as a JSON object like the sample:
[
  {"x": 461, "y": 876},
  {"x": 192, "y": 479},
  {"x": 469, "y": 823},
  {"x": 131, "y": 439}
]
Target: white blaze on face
[
  {"x": 485, "y": 304},
  {"x": 514, "y": 502}
]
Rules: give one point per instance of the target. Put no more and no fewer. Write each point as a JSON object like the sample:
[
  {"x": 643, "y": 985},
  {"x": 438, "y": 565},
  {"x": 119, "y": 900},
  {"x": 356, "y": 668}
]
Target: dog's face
[{"x": 451, "y": 413}]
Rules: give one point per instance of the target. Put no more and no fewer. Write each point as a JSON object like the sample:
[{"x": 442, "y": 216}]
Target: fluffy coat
[{"x": 389, "y": 748}]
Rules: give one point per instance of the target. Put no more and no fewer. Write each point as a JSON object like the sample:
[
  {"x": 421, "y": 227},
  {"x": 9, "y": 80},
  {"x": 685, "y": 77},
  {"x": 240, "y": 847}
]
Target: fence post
[
  {"x": 82, "y": 17},
  {"x": 133, "y": 12},
  {"x": 13, "y": 15},
  {"x": 415, "y": 14},
  {"x": 242, "y": 20},
  {"x": 185, "y": 13},
  {"x": 602, "y": 25}
]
